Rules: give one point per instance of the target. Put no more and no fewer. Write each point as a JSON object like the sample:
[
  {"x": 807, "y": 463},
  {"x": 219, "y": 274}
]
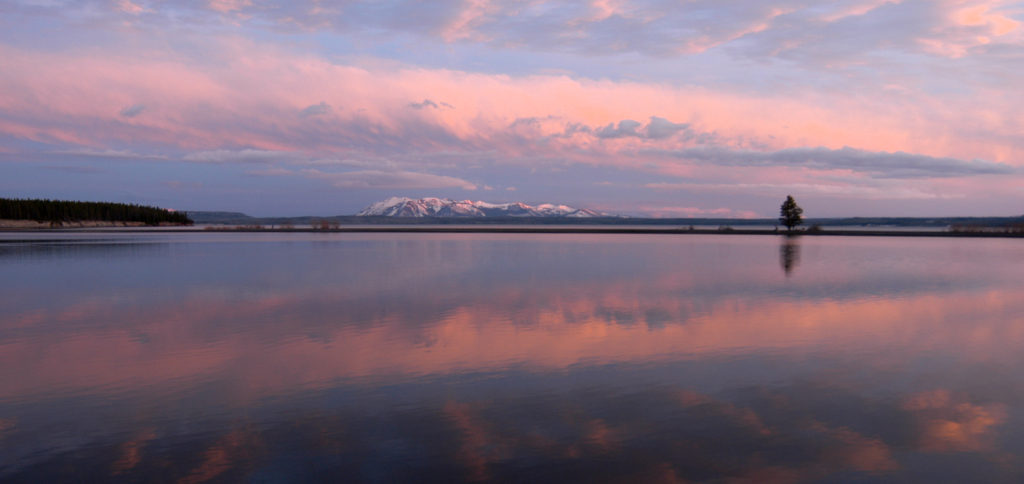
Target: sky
[{"x": 687, "y": 108}]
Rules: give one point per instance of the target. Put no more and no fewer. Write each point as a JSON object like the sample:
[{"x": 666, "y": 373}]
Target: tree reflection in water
[{"x": 789, "y": 254}]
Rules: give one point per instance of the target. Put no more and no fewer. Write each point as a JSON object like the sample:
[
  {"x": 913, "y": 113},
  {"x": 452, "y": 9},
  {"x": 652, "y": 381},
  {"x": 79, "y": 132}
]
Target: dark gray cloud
[
  {"x": 427, "y": 103},
  {"x": 627, "y": 128},
  {"x": 656, "y": 128},
  {"x": 316, "y": 110},
  {"x": 573, "y": 128},
  {"x": 877, "y": 164},
  {"x": 660, "y": 128},
  {"x": 534, "y": 121},
  {"x": 132, "y": 111}
]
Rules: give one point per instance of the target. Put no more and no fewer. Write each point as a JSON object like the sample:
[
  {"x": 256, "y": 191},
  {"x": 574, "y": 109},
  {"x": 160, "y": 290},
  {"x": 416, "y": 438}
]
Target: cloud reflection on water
[
  {"x": 657, "y": 370},
  {"x": 255, "y": 342}
]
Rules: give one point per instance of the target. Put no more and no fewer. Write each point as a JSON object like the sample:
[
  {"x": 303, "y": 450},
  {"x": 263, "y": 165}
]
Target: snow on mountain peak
[{"x": 444, "y": 207}]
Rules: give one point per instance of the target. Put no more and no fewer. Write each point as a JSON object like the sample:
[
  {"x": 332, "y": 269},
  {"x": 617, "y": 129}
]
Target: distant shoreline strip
[{"x": 549, "y": 230}]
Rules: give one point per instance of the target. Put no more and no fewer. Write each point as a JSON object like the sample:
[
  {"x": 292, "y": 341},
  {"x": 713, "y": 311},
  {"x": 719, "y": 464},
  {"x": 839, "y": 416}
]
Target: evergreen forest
[{"x": 62, "y": 211}]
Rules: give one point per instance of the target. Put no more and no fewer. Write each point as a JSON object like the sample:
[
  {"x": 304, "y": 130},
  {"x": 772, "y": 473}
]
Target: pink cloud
[
  {"x": 245, "y": 96},
  {"x": 971, "y": 24},
  {"x": 983, "y": 15},
  {"x": 694, "y": 212},
  {"x": 130, "y": 7},
  {"x": 604, "y": 9},
  {"x": 462, "y": 26},
  {"x": 227, "y": 6},
  {"x": 197, "y": 105},
  {"x": 855, "y": 8}
]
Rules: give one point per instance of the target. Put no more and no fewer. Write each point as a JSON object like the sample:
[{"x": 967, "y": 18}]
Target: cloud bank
[
  {"x": 874, "y": 164},
  {"x": 551, "y": 97}
]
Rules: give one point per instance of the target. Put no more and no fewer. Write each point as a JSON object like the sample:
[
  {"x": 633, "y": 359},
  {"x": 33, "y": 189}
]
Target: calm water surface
[{"x": 594, "y": 358}]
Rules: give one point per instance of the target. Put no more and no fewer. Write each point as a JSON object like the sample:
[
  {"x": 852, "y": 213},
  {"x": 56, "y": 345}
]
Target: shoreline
[
  {"x": 11, "y": 225},
  {"x": 546, "y": 229}
]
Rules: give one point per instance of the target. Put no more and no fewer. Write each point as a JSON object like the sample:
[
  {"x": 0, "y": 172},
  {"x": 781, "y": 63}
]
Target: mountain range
[{"x": 444, "y": 207}]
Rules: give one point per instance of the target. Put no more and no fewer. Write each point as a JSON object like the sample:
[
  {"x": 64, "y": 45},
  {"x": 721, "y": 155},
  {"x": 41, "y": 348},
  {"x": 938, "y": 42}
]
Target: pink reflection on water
[
  {"x": 204, "y": 339},
  {"x": 833, "y": 338}
]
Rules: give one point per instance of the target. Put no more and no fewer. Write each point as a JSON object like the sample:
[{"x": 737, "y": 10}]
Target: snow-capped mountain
[{"x": 443, "y": 207}]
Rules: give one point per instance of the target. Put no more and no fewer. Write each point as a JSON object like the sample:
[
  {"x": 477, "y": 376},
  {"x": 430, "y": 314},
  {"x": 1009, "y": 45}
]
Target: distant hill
[
  {"x": 58, "y": 212},
  {"x": 445, "y": 207}
]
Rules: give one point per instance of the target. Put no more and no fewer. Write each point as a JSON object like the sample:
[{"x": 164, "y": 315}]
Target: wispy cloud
[
  {"x": 657, "y": 128},
  {"x": 796, "y": 30},
  {"x": 276, "y": 171},
  {"x": 133, "y": 110},
  {"x": 238, "y": 156},
  {"x": 110, "y": 154},
  {"x": 181, "y": 185},
  {"x": 874, "y": 164},
  {"x": 82, "y": 170},
  {"x": 821, "y": 188},
  {"x": 427, "y": 103},
  {"x": 226, "y": 6},
  {"x": 391, "y": 180},
  {"x": 668, "y": 211}
]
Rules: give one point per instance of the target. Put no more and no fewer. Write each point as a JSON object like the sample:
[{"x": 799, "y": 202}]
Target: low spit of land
[
  {"x": 17, "y": 214},
  {"x": 855, "y": 226},
  {"x": 563, "y": 229}
]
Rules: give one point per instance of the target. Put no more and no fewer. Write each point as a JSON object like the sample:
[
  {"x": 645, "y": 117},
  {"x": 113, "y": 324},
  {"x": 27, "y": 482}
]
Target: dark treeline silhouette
[{"x": 61, "y": 211}]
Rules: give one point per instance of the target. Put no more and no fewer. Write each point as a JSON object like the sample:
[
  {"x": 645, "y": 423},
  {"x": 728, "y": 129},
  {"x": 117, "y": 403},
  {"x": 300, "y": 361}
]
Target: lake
[{"x": 272, "y": 357}]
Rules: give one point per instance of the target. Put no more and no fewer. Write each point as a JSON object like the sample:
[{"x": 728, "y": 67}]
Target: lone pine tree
[{"x": 790, "y": 213}]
